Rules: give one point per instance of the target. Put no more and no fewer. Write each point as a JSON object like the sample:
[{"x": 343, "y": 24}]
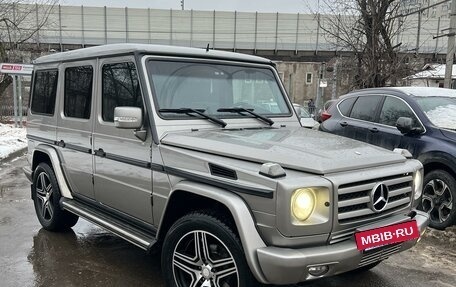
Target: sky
[{"x": 281, "y": 6}]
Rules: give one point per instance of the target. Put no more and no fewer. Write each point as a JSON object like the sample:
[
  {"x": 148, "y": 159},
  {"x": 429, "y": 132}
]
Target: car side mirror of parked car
[
  {"x": 128, "y": 117},
  {"x": 405, "y": 126}
]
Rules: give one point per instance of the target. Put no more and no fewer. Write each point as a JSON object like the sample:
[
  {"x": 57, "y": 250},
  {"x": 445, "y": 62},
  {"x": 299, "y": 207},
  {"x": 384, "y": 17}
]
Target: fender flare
[
  {"x": 249, "y": 236},
  {"x": 438, "y": 157},
  {"x": 55, "y": 161}
]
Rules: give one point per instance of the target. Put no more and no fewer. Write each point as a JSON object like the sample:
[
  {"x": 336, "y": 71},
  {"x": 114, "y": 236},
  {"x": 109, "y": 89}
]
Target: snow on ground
[{"x": 11, "y": 139}]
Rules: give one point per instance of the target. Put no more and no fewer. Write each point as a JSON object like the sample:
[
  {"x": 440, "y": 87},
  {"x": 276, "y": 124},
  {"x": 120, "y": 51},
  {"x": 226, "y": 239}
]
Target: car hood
[{"x": 295, "y": 148}]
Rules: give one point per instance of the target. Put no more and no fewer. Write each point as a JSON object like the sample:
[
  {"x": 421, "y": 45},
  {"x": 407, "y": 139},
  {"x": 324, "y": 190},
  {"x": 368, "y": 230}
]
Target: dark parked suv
[{"x": 421, "y": 120}]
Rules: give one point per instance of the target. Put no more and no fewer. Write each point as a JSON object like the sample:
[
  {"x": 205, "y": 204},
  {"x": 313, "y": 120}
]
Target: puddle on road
[{"x": 89, "y": 254}]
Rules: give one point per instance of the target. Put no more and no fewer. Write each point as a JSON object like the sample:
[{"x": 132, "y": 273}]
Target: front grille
[
  {"x": 354, "y": 198},
  {"x": 378, "y": 254}
]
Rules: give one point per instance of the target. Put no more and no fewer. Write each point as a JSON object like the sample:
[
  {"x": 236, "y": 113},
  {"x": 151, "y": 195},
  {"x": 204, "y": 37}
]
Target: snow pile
[
  {"x": 11, "y": 139},
  {"x": 443, "y": 116}
]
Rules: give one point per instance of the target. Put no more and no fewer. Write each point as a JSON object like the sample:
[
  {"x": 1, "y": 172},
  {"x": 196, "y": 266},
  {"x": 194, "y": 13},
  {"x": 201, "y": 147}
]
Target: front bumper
[{"x": 289, "y": 266}]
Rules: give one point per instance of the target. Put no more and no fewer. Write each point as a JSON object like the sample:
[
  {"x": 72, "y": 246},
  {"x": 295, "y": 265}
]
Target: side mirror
[
  {"x": 404, "y": 125},
  {"x": 128, "y": 117}
]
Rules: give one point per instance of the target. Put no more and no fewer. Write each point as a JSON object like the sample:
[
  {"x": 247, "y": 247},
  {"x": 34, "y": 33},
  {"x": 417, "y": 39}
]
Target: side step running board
[{"x": 114, "y": 225}]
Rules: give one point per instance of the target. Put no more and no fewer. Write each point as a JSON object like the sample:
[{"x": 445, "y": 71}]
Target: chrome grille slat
[
  {"x": 356, "y": 213},
  {"x": 400, "y": 191},
  {"x": 358, "y": 200},
  {"x": 354, "y": 199},
  {"x": 398, "y": 180},
  {"x": 397, "y": 203},
  {"x": 357, "y": 188}
]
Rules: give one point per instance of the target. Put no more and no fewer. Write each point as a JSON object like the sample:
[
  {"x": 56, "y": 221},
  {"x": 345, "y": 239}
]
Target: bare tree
[
  {"x": 368, "y": 29},
  {"x": 19, "y": 23}
]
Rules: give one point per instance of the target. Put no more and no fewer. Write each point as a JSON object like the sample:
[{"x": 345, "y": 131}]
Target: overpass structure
[{"x": 271, "y": 33}]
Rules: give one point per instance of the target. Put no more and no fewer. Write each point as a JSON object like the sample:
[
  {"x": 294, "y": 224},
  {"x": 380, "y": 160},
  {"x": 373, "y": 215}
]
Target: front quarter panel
[{"x": 250, "y": 239}]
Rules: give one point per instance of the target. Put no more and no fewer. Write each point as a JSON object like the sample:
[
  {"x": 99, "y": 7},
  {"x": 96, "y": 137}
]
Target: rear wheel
[
  {"x": 46, "y": 200},
  {"x": 201, "y": 250},
  {"x": 439, "y": 198}
]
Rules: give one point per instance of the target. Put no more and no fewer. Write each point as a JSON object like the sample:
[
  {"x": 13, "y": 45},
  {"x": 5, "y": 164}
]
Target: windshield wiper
[
  {"x": 241, "y": 111},
  {"x": 190, "y": 112}
]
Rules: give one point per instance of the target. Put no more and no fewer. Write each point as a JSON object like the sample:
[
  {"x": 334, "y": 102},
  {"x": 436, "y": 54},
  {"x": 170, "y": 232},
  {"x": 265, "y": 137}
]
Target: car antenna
[{"x": 207, "y": 47}]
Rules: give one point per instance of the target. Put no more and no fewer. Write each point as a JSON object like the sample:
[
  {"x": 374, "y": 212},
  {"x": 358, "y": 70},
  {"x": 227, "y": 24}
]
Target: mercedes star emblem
[{"x": 379, "y": 197}]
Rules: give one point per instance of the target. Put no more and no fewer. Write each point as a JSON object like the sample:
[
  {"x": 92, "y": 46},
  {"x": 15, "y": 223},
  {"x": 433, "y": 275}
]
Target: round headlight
[
  {"x": 418, "y": 183},
  {"x": 303, "y": 203}
]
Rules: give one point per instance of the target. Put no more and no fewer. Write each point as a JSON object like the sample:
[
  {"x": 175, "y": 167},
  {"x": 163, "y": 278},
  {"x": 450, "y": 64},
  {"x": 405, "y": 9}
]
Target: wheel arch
[
  {"x": 438, "y": 160},
  {"x": 229, "y": 204},
  {"x": 48, "y": 154}
]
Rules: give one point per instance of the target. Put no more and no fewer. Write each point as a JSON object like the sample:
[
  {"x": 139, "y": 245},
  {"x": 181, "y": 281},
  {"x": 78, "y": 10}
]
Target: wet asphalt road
[{"x": 89, "y": 256}]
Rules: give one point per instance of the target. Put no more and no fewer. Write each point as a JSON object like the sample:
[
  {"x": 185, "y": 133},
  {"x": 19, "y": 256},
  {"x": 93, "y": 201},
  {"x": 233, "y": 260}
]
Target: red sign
[
  {"x": 17, "y": 69},
  {"x": 387, "y": 235}
]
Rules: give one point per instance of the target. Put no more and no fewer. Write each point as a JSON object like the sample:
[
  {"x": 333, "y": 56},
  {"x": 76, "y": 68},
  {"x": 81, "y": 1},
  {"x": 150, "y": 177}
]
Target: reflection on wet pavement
[{"x": 92, "y": 257}]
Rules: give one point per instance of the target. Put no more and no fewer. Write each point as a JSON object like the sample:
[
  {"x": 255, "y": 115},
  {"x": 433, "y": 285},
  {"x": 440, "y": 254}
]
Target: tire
[
  {"x": 46, "y": 197},
  {"x": 219, "y": 262},
  {"x": 439, "y": 198}
]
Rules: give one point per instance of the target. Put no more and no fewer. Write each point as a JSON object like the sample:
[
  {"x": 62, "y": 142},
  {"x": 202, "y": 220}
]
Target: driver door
[{"x": 122, "y": 174}]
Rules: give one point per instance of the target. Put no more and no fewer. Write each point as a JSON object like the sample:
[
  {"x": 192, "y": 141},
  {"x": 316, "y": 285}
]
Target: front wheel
[
  {"x": 439, "y": 198},
  {"x": 201, "y": 250}
]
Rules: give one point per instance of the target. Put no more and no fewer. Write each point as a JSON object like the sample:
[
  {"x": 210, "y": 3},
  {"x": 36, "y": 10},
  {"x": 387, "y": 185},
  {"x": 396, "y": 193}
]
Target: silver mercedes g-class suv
[{"x": 201, "y": 154}]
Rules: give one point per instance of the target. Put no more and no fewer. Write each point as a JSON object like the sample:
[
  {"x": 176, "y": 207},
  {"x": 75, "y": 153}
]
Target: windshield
[
  {"x": 211, "y": 87},
  {"x": 441, "y": 111}
]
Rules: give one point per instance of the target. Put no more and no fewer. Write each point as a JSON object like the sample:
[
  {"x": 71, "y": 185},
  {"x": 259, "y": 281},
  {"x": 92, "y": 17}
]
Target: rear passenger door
[
  {"x": 75, "y": 124},
  {"x": 363, "y": 114},
  {"x": 122, "y": 175}
]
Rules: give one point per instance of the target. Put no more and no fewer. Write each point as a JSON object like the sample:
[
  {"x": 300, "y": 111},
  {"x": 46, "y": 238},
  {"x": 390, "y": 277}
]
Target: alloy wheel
[
  {"x": 437, "y": 200},
  {"x": 200, "y": 259},
  {"x": 44, "y": 193}
]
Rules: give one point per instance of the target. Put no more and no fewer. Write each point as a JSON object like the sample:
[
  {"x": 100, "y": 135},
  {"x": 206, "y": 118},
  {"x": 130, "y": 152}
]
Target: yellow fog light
[{"x": 303, "y": 203}]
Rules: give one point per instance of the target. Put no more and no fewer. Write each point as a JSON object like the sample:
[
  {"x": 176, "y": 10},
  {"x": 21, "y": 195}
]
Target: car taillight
[{"x": 324, "y": 116}]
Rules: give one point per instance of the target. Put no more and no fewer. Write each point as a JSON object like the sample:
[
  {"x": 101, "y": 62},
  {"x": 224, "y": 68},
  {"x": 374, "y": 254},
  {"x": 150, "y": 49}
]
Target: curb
[{"x": 17, "y": 153}]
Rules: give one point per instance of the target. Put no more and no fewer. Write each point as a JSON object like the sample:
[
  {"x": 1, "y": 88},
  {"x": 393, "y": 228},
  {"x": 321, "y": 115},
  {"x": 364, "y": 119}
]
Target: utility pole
[{"x": 450, "y": 47}]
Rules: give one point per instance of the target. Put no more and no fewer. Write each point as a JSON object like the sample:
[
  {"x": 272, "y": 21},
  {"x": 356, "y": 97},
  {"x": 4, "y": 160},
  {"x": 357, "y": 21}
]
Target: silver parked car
[{"x": 200, "y": 153}]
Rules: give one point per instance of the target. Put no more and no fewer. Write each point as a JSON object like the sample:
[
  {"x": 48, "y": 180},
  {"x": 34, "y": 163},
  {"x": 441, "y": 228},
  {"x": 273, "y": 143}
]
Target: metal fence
[{"x": 81, "y": 25}]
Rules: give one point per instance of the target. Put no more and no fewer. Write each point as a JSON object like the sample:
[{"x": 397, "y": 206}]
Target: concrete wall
[{"x": 300, "y": 90}]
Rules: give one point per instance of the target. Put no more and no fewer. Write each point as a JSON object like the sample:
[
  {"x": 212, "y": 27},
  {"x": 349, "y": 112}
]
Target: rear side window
[
  {"x": 120, "y": 88},
  {"x": 44, "y": 90},
  {"x": 365, "y": 108},
  {"x": 346, "y": 105},
  {"x": 78, "y": 92},
  {"x": 394, "y": 108}
]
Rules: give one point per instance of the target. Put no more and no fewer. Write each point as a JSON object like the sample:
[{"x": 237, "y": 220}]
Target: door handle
[
  {"x": 343, "y": 124},
  {"x": 373, "y": 130},
  {"x": 100, "y": 152}
]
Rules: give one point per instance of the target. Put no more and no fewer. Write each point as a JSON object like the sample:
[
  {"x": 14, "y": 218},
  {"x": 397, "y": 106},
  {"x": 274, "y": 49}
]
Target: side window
[
  {"x": 44, "y": 90},
  {"x": 346, "y": 105},
  {"x": 394, "y": 108},
  {"x": 78, "y": 92},
  {"x": 120, "y": 88},
  {"x": 365, "y": 107}
]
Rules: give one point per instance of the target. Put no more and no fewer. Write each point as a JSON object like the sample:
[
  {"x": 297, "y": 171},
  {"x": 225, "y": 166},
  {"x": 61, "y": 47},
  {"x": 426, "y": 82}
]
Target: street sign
[
  {"x": 16, "y": 69},
  {"x": 323, "y": 83}
]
